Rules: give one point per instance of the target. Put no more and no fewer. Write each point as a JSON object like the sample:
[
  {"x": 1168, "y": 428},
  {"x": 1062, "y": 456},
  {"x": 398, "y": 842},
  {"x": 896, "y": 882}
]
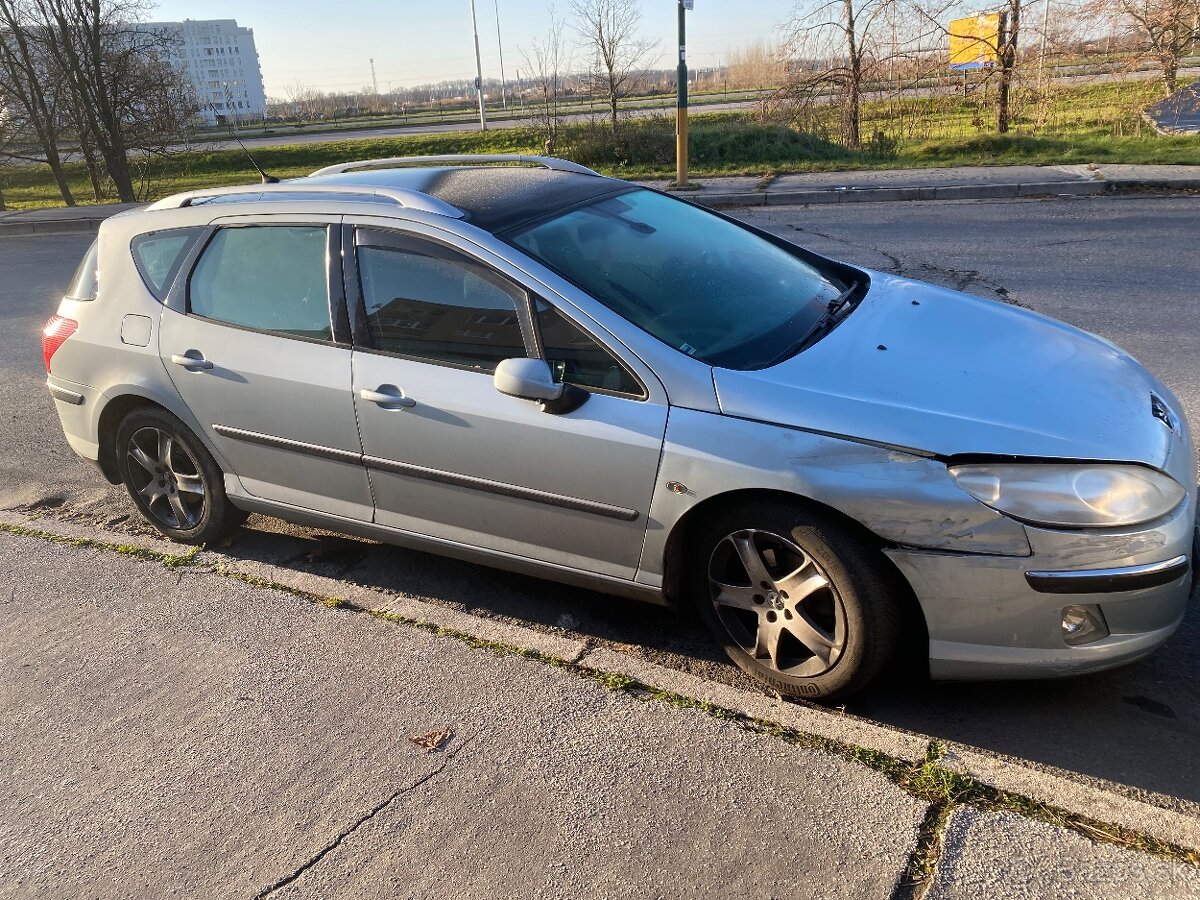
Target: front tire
[
  {"x": 172, "y": 479},
  {"x": 796, "y": 599}
]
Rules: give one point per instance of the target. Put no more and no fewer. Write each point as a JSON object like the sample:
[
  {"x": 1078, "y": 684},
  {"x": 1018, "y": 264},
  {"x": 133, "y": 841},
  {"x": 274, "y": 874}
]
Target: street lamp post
[
  {"x": 681, "y": 106},
  {"x": 478, "y": 71}
]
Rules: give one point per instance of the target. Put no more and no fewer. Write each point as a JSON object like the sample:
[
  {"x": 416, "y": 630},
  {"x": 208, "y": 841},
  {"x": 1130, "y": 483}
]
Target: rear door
[
  {"x": 450, "y": 456},
  {"x": 255, "y": 340}
]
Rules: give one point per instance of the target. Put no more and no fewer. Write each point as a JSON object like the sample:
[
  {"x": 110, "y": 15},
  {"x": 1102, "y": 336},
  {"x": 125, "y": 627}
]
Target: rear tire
[
  {"x": 796, "y": 599},
  {"x": 172, "y": 479}
]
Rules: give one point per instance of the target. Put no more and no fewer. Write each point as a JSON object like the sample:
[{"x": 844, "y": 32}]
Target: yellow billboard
[{"x": 974, "y": 40}]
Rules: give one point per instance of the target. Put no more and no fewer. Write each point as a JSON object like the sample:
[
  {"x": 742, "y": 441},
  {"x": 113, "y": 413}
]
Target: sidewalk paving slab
[
  {"x": 932, "y": 177},
  {"x": 1165, "y": 824},
  {"x": 175, "y": 733},
  {"x": 989, "y": 854}
]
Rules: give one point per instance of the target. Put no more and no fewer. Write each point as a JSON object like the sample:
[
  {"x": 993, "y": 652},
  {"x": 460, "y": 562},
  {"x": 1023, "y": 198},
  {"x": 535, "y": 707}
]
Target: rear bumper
[
  {"x": 992, "y": 617},
  {"x": 77, "y": 406}
]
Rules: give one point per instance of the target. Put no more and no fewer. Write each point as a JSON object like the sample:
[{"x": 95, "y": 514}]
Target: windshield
[{"x": 697, "y": 282}]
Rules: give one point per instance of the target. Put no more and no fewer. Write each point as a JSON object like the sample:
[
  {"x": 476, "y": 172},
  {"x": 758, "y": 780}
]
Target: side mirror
[
  {"x": 529, "y": 379},
  {"x": 532, "y": 379}
]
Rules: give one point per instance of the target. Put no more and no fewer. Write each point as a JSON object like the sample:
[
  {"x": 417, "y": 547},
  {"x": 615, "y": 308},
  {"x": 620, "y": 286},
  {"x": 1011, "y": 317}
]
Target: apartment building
[{"x": 220, "y": 59}]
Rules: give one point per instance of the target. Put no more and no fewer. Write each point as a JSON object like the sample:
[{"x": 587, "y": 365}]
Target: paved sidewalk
[
  {"x": 183, "y": 733},
  {"x": 952, "y": 183},
  {"x": 872, "y": 185}
]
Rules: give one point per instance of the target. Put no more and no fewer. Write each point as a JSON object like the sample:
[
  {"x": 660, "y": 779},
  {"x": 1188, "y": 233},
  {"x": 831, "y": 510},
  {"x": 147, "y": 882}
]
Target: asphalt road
[{"x": 1123, "y": 267}]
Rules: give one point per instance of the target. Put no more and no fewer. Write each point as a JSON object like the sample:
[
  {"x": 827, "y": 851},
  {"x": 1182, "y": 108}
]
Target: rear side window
[
  {"x": 266, "y": 278},
  {"x": 158, "y": 255},
  {"x": 86, "y": 280}
]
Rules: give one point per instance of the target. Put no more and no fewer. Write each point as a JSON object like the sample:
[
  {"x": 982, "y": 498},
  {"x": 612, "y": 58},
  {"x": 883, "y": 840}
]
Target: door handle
[
  {"x": 388, "y": 397},
  {"x": 191, "y": 362}
]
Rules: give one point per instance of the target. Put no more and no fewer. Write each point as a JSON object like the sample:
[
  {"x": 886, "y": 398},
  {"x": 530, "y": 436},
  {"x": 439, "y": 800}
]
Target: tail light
[{"x": 57, "y": 330}]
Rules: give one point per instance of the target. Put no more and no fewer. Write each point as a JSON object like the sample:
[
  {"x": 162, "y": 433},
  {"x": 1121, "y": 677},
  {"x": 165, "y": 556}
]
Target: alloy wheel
[
  {"x": 172, "y": 488},
  {"x": 777, "y": 603}
]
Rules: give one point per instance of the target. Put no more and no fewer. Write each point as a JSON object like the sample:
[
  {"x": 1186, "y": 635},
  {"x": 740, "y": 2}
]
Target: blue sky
[{"x": 328, "y": 45}]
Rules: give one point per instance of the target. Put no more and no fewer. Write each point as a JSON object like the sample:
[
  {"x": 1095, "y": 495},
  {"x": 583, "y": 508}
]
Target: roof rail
[
  {"x": 549, "y": 162},
  {"x": 407, "y": 198}
]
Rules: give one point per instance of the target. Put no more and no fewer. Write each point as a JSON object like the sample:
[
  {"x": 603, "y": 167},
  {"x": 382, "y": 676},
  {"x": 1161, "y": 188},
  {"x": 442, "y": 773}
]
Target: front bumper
[{"x": 989, "y": 619}]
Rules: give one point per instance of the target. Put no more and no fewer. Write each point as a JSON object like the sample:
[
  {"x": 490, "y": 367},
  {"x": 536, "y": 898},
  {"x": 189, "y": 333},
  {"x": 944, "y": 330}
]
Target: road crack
[
  {"x": 958, "y": 279},
  {"x": 360, "y": 822}
]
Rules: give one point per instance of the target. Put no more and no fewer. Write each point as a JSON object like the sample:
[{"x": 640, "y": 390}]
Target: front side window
[
  {"x": 268, "y": 278},
  {"x": 577, "y": 359},
  {"x": 435, "y": 307},
  {"x": 701, "y": 284}
]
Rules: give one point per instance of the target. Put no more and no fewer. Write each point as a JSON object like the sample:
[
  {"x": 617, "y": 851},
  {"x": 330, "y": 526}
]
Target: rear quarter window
[
  {"x": 85, "y": 281},
  {"x": 159, "y": 254}
]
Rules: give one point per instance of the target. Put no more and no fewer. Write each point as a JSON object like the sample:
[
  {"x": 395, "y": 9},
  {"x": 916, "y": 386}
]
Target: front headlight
[{"x": 1074, "y": 496}]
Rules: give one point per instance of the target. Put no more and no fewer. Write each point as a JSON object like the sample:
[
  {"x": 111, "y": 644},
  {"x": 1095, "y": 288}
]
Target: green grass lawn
[{"x": 1095, "y": 123}]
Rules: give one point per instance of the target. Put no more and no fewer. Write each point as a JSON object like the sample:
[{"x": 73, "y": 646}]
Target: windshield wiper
[{"x": 837, "y": 310}]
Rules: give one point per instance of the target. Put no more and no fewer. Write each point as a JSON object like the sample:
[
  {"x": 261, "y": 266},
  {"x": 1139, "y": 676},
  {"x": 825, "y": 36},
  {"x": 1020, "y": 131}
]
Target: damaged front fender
[{"x": 902, "y": 497}]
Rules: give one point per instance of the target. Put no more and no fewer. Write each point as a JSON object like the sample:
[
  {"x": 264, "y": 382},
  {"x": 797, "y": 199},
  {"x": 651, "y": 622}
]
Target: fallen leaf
[{"x": 434, "y": 739}]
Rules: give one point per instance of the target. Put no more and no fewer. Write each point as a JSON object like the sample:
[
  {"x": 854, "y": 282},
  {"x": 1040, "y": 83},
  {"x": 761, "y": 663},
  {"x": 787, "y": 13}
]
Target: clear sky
[{"x": 328, "y": 45}]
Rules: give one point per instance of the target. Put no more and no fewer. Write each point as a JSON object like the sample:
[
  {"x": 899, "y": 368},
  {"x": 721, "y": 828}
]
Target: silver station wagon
[{"x": 519, "y": 362}]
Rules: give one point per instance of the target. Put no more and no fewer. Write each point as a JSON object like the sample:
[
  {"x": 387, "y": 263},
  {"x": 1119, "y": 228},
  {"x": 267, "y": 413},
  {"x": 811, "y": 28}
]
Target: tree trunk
[
  {"x": 95, "y": 173},
  {"x": 852, "y": 100},
  {"x": 60, "y": 177},
  {"x": 1170, "y": 72},
  {"x": 1010, "y": 27}
]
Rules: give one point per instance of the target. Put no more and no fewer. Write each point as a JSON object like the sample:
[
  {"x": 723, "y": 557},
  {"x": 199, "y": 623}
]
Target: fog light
[{"x": 1083, "y": 624}]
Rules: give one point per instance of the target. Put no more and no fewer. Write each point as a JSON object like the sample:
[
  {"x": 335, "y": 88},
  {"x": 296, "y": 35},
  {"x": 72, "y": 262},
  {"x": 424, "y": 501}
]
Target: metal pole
[
  {"x": 681, "y": 106},
  {"x": 478, "y": 71},
  {"x": 500, "y": 45}
]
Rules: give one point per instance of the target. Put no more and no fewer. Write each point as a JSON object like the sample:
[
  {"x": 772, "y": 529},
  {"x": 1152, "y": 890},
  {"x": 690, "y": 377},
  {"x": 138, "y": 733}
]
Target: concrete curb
[
  {"x": 1003, "y": 774},
  {"x": 51, "y": 226},
  {"x": 890, "y": 195}
]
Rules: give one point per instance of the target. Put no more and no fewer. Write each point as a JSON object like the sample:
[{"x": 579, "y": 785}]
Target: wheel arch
[
  {"x": 124, "y": 401},
  {"x": 915, "y": 635}
]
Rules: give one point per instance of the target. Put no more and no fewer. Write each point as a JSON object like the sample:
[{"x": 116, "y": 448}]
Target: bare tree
[
  {"x": 758, "y": 65},
  {"x": 546, "y": 60},
  {"x": 7, "y": 137},
  {"x": 105, "y": 56},
  {"x": 29, "y": 81},
  {"x": 608, "y": 31},
  {"x": 304, "y": 99},
  {"x": 1010, "y": 31},
  {"x": 1164, "y": 30},
  {"x": 847, "y": 35}
]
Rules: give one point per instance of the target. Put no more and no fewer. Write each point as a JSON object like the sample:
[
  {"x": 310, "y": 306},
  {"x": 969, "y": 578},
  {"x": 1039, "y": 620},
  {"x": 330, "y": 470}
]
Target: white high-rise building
[{"x": 221, "y": 61}]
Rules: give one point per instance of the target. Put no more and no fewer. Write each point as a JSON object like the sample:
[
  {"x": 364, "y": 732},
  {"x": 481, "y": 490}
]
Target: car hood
[{"x": 926, "y": 368}]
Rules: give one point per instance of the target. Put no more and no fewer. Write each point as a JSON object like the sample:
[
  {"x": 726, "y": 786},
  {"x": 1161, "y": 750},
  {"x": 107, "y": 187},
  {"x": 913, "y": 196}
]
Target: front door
[
  {"x": 248, "y": 341},
  {"x": 451, "y": 457}
]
